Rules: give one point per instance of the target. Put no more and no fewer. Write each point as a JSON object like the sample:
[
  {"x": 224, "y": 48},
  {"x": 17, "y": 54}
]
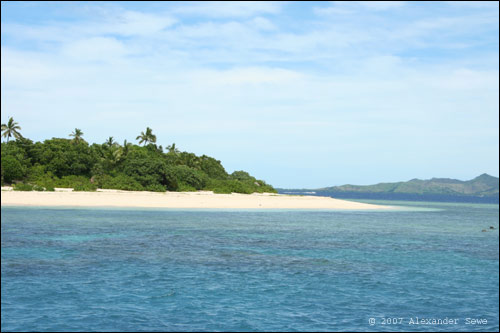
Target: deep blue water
[{"x": 193, "y": 270}]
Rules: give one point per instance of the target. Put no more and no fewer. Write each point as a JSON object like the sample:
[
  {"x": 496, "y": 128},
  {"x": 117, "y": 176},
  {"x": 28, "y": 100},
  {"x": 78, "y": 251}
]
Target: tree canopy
[{"x": 60, "y": 162}]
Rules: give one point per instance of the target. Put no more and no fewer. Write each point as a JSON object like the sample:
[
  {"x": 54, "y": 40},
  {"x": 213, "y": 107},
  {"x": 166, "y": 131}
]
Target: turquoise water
[{"x": 195, "y": 270}]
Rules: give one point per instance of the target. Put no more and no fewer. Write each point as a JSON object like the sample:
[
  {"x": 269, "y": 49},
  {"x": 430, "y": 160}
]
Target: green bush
[
  {"x": 38, "y": 188},
  {"x": 71, "y": 181},
  {"x": 182, "y": 177},
  {"x": 23, "y": 187},
  {"x": 36, "y": 172},
  {"x": 240, "y": 187},
  {"x": 242, "y": 176},
  {"x": 185, "y": 188},
  {"x": 12, "y": 169},
  {"x": 237, "y": 186},
  {"x": 229, "y": 186},
  {"x": 222, "y": 190},
  {"x": 120, "y": 182},
  {"x": 156, "y": 188},
  {"x": 212, "y": 167},
  {"x": 46, "y": 184},
  {"x": 85, "y": 187}
]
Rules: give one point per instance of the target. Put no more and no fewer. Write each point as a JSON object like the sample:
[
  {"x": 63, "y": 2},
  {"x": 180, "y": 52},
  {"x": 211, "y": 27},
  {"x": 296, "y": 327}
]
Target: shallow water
[{"x": 229, "y": 270}]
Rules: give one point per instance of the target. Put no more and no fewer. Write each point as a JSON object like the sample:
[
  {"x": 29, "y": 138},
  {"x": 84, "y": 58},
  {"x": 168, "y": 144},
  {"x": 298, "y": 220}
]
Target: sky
[{"x": 299, "y": 94}]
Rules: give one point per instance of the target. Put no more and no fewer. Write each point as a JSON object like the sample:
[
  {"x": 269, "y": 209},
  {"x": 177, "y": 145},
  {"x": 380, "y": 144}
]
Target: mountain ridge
[
  {"x": 482, "y": 185},
  {"x": 481, "y": 189}
]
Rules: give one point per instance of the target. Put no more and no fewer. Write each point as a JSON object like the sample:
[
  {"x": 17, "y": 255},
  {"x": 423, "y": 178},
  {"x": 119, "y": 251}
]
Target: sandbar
[{"x": 200, "y": 199}]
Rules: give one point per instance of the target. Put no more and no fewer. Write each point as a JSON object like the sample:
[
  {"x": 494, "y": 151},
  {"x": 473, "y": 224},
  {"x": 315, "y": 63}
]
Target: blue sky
[{"x": 305, "y": 94}]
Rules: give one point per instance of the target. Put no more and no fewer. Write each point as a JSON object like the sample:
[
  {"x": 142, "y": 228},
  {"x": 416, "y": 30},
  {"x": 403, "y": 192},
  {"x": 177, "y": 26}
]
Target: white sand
[{"x": 201, "y": 199}]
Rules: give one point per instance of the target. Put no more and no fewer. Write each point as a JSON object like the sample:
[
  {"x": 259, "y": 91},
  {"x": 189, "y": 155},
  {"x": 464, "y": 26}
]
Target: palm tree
[
  {"x": 172, "y": 149},
  {"x": 110, "y": 142},
  {"x": 11, "y": 129},
  {"x": 77, "y": 134},
  {"x": 126, "y": 147},
  {"x": 121, "y": 152},
  {"x": 147, "y": 137}
]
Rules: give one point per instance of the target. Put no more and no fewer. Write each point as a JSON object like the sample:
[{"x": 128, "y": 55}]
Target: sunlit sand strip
[{"x": 201, "y": 199}]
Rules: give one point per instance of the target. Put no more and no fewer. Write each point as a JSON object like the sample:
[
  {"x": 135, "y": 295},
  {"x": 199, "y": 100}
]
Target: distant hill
[
  {"x": 484, "y": 185},
  {"x": 484, "y": 188}
]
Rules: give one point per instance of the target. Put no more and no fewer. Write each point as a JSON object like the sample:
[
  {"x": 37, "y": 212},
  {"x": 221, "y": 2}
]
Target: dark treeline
[{"x": 61, "y": 162}]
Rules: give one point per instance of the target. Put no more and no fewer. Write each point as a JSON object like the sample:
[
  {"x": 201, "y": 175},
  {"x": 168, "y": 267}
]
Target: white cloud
[
  {"x": 119, "y": 23},
  {"x": 95, "y": 49},
  {"x": 332, "y": 10},
  {"x": 226, "y": 9},
  {"x": 247, "y": 76},
  {"x": 462, "y": 80},
  {"x": 381, "y": 5},
  {"x": 130, "y": 23},
  {"x": 351, "y": 7},
  {"x": 262, "y": 23},
  {"x": 474, "y": 4}
]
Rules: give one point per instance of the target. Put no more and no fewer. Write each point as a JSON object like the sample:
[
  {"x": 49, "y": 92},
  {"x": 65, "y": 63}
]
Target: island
[
  {"x": 74, "y": 163},
  {"x": 72, "y": 172},
  {"x": 481, "y": 189}
]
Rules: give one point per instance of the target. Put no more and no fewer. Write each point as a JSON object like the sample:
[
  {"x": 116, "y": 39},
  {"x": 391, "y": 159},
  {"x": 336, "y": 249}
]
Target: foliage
[
  {"x": 15, "y": 161},
  {"x": 119, "y": 182},
  {"x": 241, "y": 175},
  {"x": 156, "y": 188},
  {"x": 23, "y": 187},
  {"x": 147, "y": 137},
  {"x": 38, "y": 188},
  {"x": 77, "y": 135},
  {"x": 212, "y": 167},
  {"x": 11, "y": 129},
  {"x": 72, "y": 182},
  {"x": 187, "y": 177},
  {"x": 172, "y": 149},
  {"x": 12, "y": 169},
  {"x": 49, "y": 188},
  {"x": 73, "y": 163},
  {"x": 84, "y": 187}
]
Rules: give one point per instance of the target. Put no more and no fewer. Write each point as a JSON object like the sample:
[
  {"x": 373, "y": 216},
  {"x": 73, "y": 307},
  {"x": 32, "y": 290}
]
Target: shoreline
[{"x": 201, "y": 199}]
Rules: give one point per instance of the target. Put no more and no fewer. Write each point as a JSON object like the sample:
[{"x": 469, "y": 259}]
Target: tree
[
  {"x": 12, "y": 169},
  {"x": 147, "y": 137},
  {"x": 212, "y": 167},
  {"x": 172, "y": 149},
  {"x": 71, "y": 162},
  {"x": 110, "y": 142},
  {"x": 119, "y": 153},
  {"x": 63, "y": 157},
  {"x": 77, "y": 135},
  {"x": 11, "y": 129},
  {"x": 126, "y": 147}
]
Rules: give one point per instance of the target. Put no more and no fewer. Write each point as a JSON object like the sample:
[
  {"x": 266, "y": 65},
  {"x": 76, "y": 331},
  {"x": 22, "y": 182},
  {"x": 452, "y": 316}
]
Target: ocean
[
  {"x": 390, "y": 196},
  {"x": 424, "y": 267}
]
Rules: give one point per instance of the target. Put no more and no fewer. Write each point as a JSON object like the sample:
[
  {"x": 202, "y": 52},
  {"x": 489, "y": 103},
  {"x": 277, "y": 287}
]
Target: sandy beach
[{"x": 201, "y": 199}]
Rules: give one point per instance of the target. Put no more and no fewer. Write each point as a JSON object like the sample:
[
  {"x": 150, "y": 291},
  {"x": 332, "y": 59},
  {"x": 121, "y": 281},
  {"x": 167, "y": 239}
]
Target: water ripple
[{"x": 154, "y": 270}]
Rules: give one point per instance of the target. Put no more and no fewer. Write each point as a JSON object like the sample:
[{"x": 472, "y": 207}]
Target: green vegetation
[
  {"x": 147, "y": 137},
  {"x": 23, "y": 187},
  {"x": 77, "y": 135},
  {"x": 11, "y": 129},
  {"x": 74, "y": 163}
]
